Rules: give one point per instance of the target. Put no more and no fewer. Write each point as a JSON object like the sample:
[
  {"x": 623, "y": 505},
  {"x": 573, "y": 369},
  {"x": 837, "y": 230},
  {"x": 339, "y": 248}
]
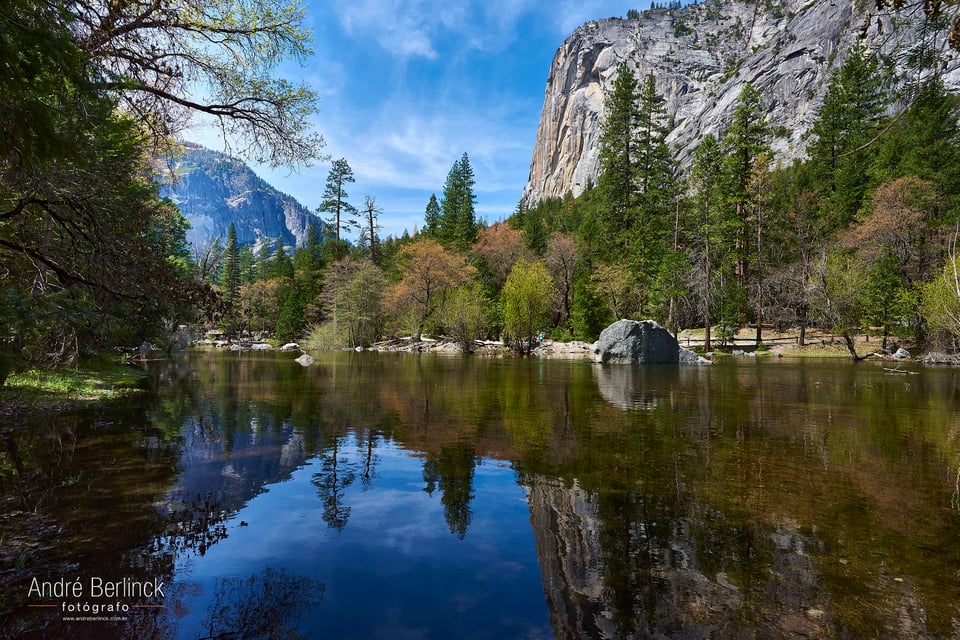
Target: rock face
[
  {"x": 213, "y": 190},
  {"x": 701, "y": 56},
  {"x": 635, "y": 342}
]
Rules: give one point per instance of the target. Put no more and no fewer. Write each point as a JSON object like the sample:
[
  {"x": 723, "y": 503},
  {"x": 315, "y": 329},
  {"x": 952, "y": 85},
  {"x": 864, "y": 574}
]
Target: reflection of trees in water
[
  {"x": 453, "y": 469},
  {"x": 260, "y": 606},
  {"x": 336, "y": 475},
  {"x": 193, "y": 525},
  {"x": 366, "y": 448}
]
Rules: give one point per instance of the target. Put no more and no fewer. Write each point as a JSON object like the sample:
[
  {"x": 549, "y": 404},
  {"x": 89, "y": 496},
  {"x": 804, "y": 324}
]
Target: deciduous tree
[
  {"x": 169, "y": 60},
  {"x": 500, "y": 247},
  {"x": 527, "y": 300},
  {"x": 428, "y": 272}
]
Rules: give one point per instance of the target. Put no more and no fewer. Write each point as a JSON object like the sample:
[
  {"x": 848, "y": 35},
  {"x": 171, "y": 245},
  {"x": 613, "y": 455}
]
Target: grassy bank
[{"x": 35, "y": 391}]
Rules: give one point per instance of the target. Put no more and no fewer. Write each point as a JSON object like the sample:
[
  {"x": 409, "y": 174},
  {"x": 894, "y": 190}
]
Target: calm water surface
[{"x": 397, "y": 496}]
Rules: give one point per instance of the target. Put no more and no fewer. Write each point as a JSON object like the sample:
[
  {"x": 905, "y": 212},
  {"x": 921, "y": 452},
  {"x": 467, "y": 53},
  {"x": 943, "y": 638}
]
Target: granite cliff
[
  {"x": 701, "y": 56},
  {"x": 213, "y": 190}
]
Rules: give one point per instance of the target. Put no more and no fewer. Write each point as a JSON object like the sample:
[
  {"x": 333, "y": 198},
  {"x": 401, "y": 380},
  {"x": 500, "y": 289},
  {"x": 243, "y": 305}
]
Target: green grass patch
[{"x": 54, "y": 390}]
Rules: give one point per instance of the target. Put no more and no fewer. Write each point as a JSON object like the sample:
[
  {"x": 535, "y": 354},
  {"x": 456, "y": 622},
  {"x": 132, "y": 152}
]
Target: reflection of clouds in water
[{"x": 393, "y": 629}]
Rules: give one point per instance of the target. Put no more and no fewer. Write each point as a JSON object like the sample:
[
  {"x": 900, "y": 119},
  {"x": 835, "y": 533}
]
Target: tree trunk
[{"x": 853, "y": 352}]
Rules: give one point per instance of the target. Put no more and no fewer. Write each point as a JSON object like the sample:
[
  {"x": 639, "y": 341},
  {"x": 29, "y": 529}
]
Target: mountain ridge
[{"x": 213, "y": 190}]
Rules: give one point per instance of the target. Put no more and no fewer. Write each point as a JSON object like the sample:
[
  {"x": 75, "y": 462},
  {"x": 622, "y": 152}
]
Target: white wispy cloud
[{"x": 408, "y": 86}]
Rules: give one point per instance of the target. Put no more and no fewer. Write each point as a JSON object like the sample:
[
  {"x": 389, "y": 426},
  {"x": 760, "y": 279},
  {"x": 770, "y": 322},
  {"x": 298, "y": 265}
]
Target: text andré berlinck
[{"x": 98, "y": 588}]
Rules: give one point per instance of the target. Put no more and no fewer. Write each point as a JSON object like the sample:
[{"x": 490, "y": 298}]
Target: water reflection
[
  {"x": 531, "y": 498},
  {"x": 262, "y": 605}
]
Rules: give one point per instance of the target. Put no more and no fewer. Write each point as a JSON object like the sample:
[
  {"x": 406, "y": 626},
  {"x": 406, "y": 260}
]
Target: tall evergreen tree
[
  {"x": 705, "y": 178},
  {"x": 744, "y": 141},
  {"x": 614, "y": 218},
  {"x": 458, "y": 224},
  {"x": 335, "y": 198},
  {"x": 282, "y": 266},
  {"x": 655, "y": 182},
  {"x": 847, "y": 121},
  {"x": 431, "y": 218},
  {"x": 230, "y": 280}
]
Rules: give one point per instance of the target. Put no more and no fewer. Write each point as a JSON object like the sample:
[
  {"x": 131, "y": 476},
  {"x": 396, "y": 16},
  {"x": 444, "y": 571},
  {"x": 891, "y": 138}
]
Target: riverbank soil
[{"x": 817, "y": 343}]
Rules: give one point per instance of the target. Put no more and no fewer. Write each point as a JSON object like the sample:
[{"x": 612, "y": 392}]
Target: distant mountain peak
[{"x": 214, "y": 190}]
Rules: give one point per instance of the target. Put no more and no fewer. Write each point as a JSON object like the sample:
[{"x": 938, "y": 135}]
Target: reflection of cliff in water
[{"x": 654, "y": 575}]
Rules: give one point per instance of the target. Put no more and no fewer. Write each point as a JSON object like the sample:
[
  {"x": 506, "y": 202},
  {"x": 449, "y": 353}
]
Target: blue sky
[{"x": 408, "y": 86}]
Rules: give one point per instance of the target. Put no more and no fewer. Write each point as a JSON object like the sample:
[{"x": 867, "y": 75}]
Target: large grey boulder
[
  {"x": 641, "y": 342},
  {"x": 636, "y": 342}
]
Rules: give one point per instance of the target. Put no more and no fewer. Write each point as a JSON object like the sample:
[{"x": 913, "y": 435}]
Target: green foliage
[
  {"x": 335, "y": 196},
  {"x": 291, "y": 322},
  {"x": 431, "y": 217},
  {"x": 91, "y": 254},
  {"x": 467, "y": 314},
  {"x": 535, "y": 231},
  {"x": 612, "y": 224},
  {"x": 214, "y": 58},
  {"x": 941, "y": 306},
  {"x": 527, "y": 296},
  {"x": 458, "y": 225},
  {"x": 925, "y": 142},
  {"x": 847, "y": 121},
  {"x": 353, "y": 304},
  {"x": 589, "y": 315}
]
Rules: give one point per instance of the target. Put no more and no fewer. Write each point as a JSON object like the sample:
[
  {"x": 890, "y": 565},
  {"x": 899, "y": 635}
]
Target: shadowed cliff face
[
  {"x": 212, "y": 190},
  {"x": 701, "y": 56}
]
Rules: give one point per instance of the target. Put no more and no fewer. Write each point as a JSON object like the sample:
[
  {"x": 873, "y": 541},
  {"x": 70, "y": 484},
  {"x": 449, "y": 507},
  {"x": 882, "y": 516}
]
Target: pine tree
[
  {"x": 705, "y": 179},
  {"x": 744, "y": 141},
  {"x": 431, "y": 218},
  {"x": 616, "y": 181},
  {"x": 655, "y": 182},
  {"x": 282, "y": 266},
  {"x": 230, "y": 280},
  {"x": 335, "y": 198},
  {"x": 458, "y": 225},
  {"x": 847, "y": 121}
]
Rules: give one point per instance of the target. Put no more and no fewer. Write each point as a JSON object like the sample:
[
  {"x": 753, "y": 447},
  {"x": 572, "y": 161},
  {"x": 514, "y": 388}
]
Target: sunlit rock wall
[{"x": 701, "y": 56}]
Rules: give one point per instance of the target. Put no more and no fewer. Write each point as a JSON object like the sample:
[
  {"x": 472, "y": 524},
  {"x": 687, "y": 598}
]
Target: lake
[{"x": 403, "y": 496}]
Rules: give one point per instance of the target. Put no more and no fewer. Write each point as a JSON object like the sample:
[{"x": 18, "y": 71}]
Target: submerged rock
[{"x": 305, "y": 360}]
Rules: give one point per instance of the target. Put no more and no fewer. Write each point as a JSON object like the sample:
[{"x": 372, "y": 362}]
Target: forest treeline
[{"x": 860, "y": 234}]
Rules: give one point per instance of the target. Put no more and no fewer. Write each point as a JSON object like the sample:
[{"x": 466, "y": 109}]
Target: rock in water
[
  {"x": 305, "y": 360},
  {"x": 636, "y": 342}
]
